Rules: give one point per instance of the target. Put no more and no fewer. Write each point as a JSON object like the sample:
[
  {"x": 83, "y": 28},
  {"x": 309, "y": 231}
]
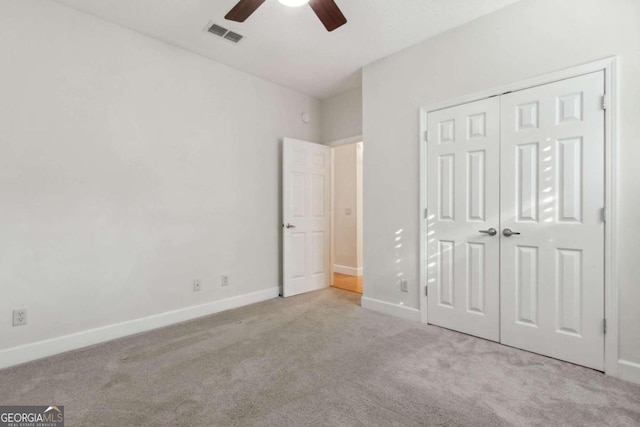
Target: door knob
[
  {"x": 491, "y": 232},
  {"x": 290, "y": 225},
  {"x": 508, "y": 233}
]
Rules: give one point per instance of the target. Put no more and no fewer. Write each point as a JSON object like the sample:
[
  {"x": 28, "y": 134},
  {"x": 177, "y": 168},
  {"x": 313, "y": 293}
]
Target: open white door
[{"x": 306, "y": 221}]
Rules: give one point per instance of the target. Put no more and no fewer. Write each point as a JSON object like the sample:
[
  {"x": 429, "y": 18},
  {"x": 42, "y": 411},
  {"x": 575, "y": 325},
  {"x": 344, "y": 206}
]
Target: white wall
[
  {"x": 530, "y": 38},
  {"x": 128, "y": 168},
  {"x": 345, "y": 209},
  {"x": 342, "y": 116}
]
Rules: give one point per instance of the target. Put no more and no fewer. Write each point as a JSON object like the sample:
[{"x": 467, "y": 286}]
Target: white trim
[
  {"x": 332, "y": 223},
  {"x": 611, "y": 296},
  {"x": 360, "y": 207},
  {"x": 608, "y": 65},
  {"x": 592, "y": 67},
  {"x": 396, "y": 310},
  {"x": 344, "y": 141},
  {"x": 38, "y": 350},
  {"x": 422, "y": 257},
  {"x": 629, "y": 371},
  {"x": 349, "y": 271}
]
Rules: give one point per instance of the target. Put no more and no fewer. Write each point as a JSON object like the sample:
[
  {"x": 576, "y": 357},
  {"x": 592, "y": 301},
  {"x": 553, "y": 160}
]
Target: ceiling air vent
[
  {"x": 234, "y": 37},
  {"x": 217, "y": 30},
  {"x": 224, "y": 33}
]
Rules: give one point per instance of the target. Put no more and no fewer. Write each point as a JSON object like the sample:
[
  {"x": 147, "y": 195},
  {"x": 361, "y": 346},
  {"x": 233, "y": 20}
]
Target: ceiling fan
[{"x": 327, "y": 10}]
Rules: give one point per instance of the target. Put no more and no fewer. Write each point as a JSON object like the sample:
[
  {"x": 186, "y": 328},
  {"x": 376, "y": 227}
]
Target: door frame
[
  {"x": 332, "y": 144},
  {"x": 611, "y": 295}
]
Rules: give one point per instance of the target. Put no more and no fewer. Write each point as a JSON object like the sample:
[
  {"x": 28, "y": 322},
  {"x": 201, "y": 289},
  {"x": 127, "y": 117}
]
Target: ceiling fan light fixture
[
  {"x": 293, "y": 3},
  {"x": 326, "y": 10}
]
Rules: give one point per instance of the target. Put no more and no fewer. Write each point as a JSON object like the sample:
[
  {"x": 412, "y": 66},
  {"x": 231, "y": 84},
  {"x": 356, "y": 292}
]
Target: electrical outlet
[
  {"x": 404, "y": 285},
  {"x": 225, "y": 280},
  {"x": 197, "y": 286},
  {"x": 20, "y": 317}
]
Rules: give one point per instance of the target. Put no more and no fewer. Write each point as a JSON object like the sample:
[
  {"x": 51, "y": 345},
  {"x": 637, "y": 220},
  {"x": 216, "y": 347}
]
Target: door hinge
[
  {"x": 604, "y": 325},
  {"x": 604, "y": 102},
  {"x": 426, "y": 291},
  {"x": 426, "y": 136},
  {"x": 426, "y": 213},
  {"x": 605, "y": 215}
]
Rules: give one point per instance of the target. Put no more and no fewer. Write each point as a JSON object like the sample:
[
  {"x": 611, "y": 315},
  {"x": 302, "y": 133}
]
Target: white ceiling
[{"x": 289, "y": 46}]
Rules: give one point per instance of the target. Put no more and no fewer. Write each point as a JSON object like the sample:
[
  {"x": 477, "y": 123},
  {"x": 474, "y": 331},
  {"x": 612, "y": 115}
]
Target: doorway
[
  {"x": 321, "y": 216},
  {"x": 347, "y": 217}
]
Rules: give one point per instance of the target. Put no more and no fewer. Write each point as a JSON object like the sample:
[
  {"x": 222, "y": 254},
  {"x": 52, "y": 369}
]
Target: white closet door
[
  {"x": 552, "y": 193},
  {"x": 463, "y": 197}
]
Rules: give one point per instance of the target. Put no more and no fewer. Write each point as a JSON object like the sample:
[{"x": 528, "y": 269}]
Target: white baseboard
[
  {"x": 349, "y": 271},
  {"x": 629, "y": 371},
  {"x": 395, "y": 310},
  {"x": 38, "y": 350}
]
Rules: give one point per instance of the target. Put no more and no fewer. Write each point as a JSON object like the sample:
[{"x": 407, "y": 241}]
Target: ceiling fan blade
[
  {"x": 329, "y": 13},
  {"x": 243, "y": 10}
]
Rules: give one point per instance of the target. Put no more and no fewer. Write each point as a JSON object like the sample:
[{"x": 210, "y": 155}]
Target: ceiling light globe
[{"x": 294, "y": 3}]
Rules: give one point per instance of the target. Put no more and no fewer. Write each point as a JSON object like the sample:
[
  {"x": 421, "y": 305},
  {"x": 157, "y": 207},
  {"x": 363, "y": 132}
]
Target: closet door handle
[
  {"x": 508, "y": 233},
  {"x": 491, "y": 232}
]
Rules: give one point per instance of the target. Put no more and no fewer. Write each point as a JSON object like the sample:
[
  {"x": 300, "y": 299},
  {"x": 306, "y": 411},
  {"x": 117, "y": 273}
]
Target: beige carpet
[{"x": 316, "y": 360}]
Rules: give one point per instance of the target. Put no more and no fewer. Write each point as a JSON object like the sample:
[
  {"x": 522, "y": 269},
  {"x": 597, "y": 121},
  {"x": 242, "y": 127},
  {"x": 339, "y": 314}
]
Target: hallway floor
[{"x": 347, "y": 283}]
